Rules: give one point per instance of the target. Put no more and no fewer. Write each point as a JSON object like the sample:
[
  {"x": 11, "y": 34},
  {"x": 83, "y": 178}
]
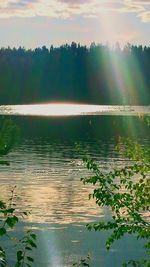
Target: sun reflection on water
[{"x": 68, "y": 109}]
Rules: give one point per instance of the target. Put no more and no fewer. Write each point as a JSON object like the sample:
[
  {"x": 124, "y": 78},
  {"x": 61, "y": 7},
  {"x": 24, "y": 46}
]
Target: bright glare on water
[{"x": 63, "y": 109}]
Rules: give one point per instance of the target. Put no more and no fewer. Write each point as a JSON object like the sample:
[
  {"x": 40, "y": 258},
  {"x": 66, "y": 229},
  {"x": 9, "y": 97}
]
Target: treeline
[{"x": 96, "y": 74}]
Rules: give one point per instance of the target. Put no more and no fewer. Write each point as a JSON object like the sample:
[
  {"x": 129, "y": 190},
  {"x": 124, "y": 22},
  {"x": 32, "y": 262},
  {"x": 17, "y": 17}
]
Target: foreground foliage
[
  {"x": 126, "y": 192},
  {"x": 9, "y": 218},
  {"x": 10, "y": 215}
]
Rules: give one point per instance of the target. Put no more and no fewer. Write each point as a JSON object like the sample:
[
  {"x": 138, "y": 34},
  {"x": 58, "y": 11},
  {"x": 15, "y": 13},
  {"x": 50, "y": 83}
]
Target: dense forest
[{"x": 96, "y": 74}]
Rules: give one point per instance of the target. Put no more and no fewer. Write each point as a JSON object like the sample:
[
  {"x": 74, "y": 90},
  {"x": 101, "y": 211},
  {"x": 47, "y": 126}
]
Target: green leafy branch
[
  {"x": 23, "y": 257},
  {"x": 126, "y": 192},
  {"x": 9, "y": 136},
  {"x": 9, "y": 218},
  {"x": 9, "y": 214}
]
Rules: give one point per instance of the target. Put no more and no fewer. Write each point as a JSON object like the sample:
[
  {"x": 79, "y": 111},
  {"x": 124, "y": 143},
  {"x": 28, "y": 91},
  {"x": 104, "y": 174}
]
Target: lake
[{"x": 46, "y": 168}]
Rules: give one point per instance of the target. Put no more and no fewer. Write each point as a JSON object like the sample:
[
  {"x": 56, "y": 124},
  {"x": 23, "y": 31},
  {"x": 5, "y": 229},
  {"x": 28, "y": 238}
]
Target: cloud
[
  {"x": 133, "y": 7},
  {"x": 74, "y": 2},
  {"x": 143, "y": 2},
  {"x": 141, "y": 7},
  {"x": 69, "y": 8},
  {"x": 56, "y": 8},
  {"x": 145, "y": 16}
]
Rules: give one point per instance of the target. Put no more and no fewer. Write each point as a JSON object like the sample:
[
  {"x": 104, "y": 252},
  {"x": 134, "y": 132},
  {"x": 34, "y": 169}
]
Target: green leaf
[
  {"x": 19, "y": 255},
  {"x": 10, "y": 210},
  {"x": 2, "y": 205},
  {"x": 32, "y": 243},
  {"x": 30, "y": 259},
  {"x": 33, "y": 236},
  {"x": 2, "y": 231},
  {"x": 28, "y": 248},
  {"x": 25, "y": 213},
  {"x": 11, "y": 221}
]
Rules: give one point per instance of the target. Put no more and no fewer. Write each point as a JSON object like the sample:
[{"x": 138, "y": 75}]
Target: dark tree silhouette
[{"x": 98, "y": 74}]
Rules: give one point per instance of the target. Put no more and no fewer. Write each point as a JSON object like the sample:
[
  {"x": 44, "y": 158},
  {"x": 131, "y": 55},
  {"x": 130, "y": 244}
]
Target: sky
[{"x": 34, "y": 23}]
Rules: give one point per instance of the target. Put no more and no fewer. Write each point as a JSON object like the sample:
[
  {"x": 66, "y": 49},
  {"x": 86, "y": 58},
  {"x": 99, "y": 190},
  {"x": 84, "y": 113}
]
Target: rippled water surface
[{"x": 47, "y": 175}]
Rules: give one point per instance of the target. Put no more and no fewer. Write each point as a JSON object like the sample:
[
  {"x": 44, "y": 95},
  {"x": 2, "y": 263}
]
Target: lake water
[{"x": 46, "y": 169}]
